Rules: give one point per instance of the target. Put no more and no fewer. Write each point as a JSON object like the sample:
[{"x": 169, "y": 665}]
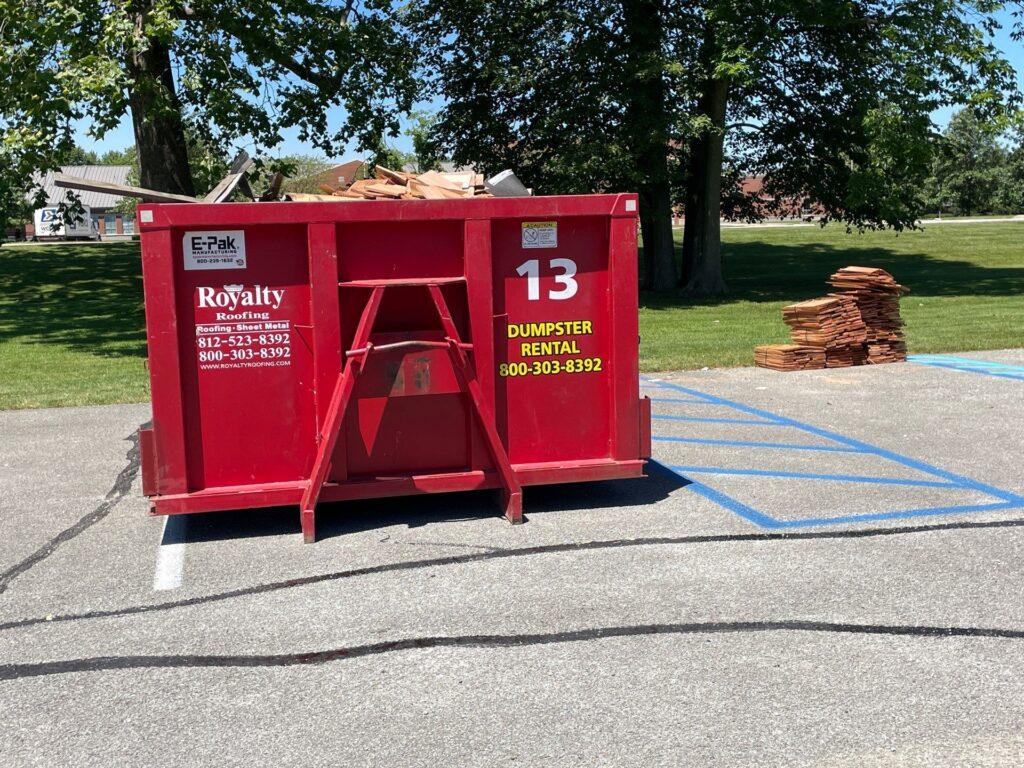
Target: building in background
[{"x": 108, "y": 223}]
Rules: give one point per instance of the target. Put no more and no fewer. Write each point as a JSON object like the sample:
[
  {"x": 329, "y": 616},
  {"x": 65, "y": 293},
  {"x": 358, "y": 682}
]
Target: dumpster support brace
[{"x": 512, "y": 492}]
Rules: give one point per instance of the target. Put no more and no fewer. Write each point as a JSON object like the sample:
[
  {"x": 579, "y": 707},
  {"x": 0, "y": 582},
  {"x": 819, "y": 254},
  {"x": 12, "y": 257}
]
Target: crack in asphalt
[
  {"x": 122, "y": 485},
  {"x": 413, "y": 565},
  {"x": 314, "y": 658}
]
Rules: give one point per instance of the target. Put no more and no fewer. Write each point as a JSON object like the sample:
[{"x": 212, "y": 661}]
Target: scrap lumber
[
  {"x": 830, "y": 322},
  {"x": 273, "y": 191},
  {"x": 65, "y": 181},
  {"x": 236, "y": 173},
  {"x": 389, "y": 184},
  {"x": 309, "y": 197},
  {"x": 246, "y": 188},
  {"x": 425, "y": 191},
  {"x": 398, "y": 177},
  {"x": 385, "y": 190},
  {"x": 442, "y": 180}
]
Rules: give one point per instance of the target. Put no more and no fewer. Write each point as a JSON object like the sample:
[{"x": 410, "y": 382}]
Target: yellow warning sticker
[{"x": 540, "y": 234}]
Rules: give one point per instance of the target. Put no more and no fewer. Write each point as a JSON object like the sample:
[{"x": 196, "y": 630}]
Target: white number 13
[{"x": 531, "y": 271}]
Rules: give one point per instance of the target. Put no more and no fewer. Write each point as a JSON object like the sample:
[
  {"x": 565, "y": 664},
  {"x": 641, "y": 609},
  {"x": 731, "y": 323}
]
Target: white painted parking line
[{"x": 170, "y": 555}]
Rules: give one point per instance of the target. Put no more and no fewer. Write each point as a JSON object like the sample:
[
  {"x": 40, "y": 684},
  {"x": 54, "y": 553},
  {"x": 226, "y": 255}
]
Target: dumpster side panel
[
  {"x": 165, "y": 375},
  {"x": 246, "y": 340},
  {"x": 553, "y": 335}
]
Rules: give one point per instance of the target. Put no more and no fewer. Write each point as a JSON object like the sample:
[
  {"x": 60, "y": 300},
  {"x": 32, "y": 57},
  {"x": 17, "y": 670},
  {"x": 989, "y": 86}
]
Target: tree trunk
[
  {"x": 156, "y": 117},
  {"x": 702, "y": 237},
  {"x": 660, "y": 272},
  {"x": 648, "y": 119},
  {"x": 691, "y": 206}
]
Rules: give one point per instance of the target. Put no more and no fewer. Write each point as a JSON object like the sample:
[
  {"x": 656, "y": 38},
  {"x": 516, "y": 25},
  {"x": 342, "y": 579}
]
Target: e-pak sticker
[
  {"x": 540, "y": 234},
  {"x": 214, "y": 250}
]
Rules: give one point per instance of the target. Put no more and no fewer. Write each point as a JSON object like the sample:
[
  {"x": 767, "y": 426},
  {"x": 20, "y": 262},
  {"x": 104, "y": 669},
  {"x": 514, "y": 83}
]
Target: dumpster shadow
[
  {"x": 344, "y": 518},
  {"x": 604, "y": 494}
]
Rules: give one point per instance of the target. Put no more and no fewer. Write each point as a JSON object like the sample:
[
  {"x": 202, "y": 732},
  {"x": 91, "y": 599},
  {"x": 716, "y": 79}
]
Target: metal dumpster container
[{"x": 307, "y": 352}]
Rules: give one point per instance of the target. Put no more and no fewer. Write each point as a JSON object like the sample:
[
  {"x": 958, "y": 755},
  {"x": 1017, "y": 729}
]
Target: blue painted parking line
[
  {"x": 721, "y": 499},
  {"x": 711, "y": 419},
  {"x": 970, "y": 365},
  {"x": 973, "y": 361},
  {"x": 844, "y": 444},
  {"x": 870, "y": 479},
  {"x": 859, "y": 446},
  {"x": 755, "y": 444},
  {"x": 687, "y": 400}
]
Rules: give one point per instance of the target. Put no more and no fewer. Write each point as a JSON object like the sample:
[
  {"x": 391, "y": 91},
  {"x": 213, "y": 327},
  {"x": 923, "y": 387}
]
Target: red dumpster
[{"x": 305, "y": 352}]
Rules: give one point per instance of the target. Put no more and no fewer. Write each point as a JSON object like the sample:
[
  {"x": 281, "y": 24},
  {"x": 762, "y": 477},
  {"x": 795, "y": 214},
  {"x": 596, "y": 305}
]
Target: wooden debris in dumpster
[
  {"x": 398, "y": 185},
  {"x": 388, "y": 185}
]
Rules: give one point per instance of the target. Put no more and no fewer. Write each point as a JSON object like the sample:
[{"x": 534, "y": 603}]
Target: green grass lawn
[
  {"x": 72, "y": 327},
  {"x": 966, "y": 281}
]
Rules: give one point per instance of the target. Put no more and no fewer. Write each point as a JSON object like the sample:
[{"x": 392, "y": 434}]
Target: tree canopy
[
  {"x": 829, "y": 101},
  {"x": 975, "y": 169},
  {"x": 221, "y": 71}
]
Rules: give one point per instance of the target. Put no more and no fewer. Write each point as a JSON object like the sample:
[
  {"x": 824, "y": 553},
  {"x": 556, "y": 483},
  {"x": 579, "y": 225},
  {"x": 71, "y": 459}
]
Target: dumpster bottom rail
[{"x": 290, "y": 493}]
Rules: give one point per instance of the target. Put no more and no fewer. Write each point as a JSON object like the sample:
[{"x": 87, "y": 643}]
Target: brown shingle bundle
[
  {"x": 789, "y": 357},
  {"x": 831, "y": 322},
  {"x": 859, "y": 324},
  {"x": 878, "y": 298},
  {"x": 398, "y": 185}
]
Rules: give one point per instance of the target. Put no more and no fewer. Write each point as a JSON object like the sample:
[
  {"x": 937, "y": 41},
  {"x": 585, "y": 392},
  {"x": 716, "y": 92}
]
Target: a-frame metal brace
[{"x": 361, "y": 349}]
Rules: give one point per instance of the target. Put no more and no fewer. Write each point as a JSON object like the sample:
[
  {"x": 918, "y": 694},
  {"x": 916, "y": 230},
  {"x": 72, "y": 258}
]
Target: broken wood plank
[
  {"x": 386, "y": 173},
  {"x": 65, "y": 181},
  {"x": 438, "y": 180},
  {"x": 386, "y": 190},
  {"x": 307, "y": 197},
  {"x": 239, "y": 167},
  {"x": 273, "y": 188},
  {"x": 425, "y": 191}
]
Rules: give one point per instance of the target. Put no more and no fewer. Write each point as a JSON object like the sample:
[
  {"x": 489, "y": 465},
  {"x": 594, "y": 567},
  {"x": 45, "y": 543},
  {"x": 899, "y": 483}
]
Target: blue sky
[{"x": 121, "y": 137}]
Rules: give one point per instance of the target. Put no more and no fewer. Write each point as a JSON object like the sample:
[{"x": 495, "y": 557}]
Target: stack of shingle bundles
[
  {"x": 877, "y": 296},
  {"x": 789, "y": 357},
  {"x": 832, "y": 323}
]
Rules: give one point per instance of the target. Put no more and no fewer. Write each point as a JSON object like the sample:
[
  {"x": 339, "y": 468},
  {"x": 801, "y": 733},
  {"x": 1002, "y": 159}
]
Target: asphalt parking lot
[{"x": 824, "y": 568}]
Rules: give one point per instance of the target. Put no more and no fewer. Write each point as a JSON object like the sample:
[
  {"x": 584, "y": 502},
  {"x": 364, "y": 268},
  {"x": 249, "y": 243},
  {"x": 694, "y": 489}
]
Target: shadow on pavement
[{"x": 345, "y": 518}]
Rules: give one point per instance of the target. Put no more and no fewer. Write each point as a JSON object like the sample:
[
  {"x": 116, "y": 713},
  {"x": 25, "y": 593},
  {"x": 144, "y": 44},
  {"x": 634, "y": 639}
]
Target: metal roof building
[
  {"x": 114, "y": 174},
  {"x": 108, "y": 222}
]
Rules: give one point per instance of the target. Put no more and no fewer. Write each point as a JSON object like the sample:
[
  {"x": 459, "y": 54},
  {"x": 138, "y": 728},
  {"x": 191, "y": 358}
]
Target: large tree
[
  {"x": 971, "y": 169},
  {"x": 829, "y": 100},
  {"x": 573, "y": 95},
  {"x": 222, "y": 71}
]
